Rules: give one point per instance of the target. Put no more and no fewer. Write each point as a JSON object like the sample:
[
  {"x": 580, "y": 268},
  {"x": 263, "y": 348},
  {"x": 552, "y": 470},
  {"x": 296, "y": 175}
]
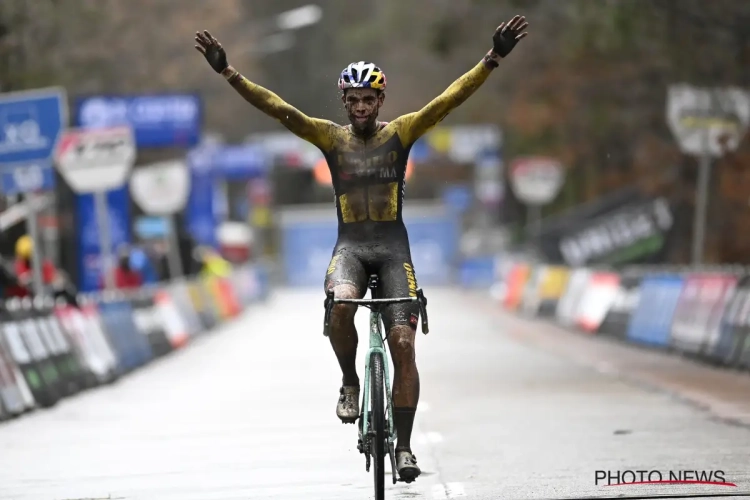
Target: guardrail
[
  {"x": 702, "y": 313},
  {"x": 50, "y": 351}
]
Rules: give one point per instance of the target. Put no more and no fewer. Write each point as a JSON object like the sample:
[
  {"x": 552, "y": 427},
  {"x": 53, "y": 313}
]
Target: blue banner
[
  {"x": 209, "y": 164},
  {"x": 434, "y": 248},
  {"x": 240, "y": 162},
  {"x": 27, "y": 177},
  {"x": 306, "y": 251},
  {"x": 89, "y": 258},
  {"x": 131, "y": 347},
  {"x": 458, "y": 198},
  {"x": 30, "y": 125},
  {"x": 158, "y": 120},
  {"x": 651, "y": 322},
  {"x": 477, "y": 272},
  {"x": 307, "y": 248},
  {"x": 199, "y": 212},
  {"x": 420, "y": 150}
]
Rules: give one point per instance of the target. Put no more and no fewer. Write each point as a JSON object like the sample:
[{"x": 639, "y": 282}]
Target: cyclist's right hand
[
  {"x": 507, "y": 35},
  {"x": 211, "y": 50}
]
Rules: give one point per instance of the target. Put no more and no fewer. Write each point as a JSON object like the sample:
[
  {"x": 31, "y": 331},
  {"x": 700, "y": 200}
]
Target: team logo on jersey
[
  {"x": 332, "y": 265},
  {"x": 411, "y": 279},
  {"x": 378, "y": 166}
]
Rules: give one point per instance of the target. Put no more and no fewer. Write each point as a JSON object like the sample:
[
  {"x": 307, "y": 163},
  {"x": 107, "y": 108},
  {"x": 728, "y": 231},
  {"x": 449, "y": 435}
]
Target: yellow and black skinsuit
[{"x": 368, "y": 180}]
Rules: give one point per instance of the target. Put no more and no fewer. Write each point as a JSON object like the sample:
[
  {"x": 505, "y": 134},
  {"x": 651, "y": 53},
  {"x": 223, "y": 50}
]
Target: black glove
[
  {"x": 211, "y": 50},
  {"x": 507, "y": 35}
]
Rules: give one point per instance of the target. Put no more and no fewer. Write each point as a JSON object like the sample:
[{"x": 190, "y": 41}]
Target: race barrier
[
  {"x": 699, "y": 313},
  {"x": 52, "y": 350}
]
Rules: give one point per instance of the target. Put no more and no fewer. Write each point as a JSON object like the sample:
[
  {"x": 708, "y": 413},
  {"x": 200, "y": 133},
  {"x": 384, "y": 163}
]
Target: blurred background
[
  {"x": 574, "y": 135},
  {"x": 598, "y": 182}
]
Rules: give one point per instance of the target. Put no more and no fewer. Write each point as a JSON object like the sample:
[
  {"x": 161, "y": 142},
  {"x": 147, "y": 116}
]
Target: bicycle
[{"x": 376, "y": 430}]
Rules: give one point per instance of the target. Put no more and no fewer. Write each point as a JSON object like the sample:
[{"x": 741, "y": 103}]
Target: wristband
[
  {"x": 490, "y": 59},
  {"x": 230, "y": 74}
]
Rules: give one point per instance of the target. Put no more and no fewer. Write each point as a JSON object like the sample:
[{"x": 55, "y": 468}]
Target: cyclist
[{"x": 367, "y": 160}]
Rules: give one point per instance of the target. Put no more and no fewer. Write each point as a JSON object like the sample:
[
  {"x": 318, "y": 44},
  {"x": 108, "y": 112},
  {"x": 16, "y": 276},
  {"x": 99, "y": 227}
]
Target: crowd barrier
[
  {"x": 699, "y": 313},
  {"x": 50, "y": 351}
]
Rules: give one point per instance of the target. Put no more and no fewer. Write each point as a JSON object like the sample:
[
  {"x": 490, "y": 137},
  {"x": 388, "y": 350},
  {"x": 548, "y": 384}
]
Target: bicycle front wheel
[{"x": 377, "y": 419}]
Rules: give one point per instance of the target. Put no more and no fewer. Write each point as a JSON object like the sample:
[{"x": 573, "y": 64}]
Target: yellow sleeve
[
  {"x": 414, "y": 125},
  {"x": 314, "y": 130}
]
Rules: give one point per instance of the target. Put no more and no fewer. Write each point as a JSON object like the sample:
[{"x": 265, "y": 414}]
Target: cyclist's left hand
[
  {"x": 507, "y": 35},
  {"x": 211, "y": 50}
]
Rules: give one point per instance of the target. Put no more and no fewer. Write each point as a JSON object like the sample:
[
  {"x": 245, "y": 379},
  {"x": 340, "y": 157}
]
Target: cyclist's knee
[{"x": 344, "y": 312}]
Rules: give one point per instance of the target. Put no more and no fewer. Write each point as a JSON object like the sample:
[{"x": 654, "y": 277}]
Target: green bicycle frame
[{"x": 376, "y": 345}]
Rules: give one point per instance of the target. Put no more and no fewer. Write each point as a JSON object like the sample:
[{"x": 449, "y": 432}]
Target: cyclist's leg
[
  {"x": 347, "y": 278},
  {"x": 397, "y": 279}
]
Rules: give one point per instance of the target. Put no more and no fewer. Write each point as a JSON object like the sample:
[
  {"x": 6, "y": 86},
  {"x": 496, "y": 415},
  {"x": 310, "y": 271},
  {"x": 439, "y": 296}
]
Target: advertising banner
[
  {"x": 698, "y": 315},
  {"x": 626, "y": 301},
  {"x": 598, "y": 297},
  {"x": 626, "y": 235},
  {"x": 569, "y": 303},
  {"x": 199, "y": 212},
  {"x": 307, "y": 246},
  {"x": 159, "y": 120},
  {"x": 434, "y": 246},
  {"x": 89, "y": 259},
  {"x": 735, "y": 326},
  {"x": 98, "y": 160},
  {"x": 30, "y": 125},
  {"x": 651, "y": 322}
]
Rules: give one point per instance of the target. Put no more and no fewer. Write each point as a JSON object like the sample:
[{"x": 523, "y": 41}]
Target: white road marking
[{"x": 449, "y": 490}]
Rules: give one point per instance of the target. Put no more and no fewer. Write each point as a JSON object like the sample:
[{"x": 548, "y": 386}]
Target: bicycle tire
[{"x": 377, "y": 412}]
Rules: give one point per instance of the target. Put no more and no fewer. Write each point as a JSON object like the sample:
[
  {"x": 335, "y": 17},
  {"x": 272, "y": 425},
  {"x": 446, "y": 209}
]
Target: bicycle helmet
[{"x": 362, "y": 75}]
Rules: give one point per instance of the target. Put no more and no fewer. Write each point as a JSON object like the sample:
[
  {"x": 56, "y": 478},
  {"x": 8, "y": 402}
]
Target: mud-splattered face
[{"x": 362, "y": 106}]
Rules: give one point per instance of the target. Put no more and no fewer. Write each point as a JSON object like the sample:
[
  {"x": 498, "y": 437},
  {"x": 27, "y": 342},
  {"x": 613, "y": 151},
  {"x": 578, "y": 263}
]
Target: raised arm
[
  {"x": 316, "y": 131},
  {"x": 414, "y": 125}
]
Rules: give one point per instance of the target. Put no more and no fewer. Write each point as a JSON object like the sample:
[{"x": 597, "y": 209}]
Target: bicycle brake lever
[
  {"x": 328, "y": 303},
  {"x": 423, "y": 311}
]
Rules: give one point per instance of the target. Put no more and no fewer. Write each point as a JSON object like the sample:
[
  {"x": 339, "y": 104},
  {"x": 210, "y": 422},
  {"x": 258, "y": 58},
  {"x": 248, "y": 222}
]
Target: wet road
[{"x": 509, "y": 409}]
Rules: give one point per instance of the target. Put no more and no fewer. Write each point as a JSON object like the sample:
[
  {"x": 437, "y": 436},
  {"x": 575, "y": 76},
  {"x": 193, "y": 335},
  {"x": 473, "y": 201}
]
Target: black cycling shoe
[{"x": 406, "y": 464}]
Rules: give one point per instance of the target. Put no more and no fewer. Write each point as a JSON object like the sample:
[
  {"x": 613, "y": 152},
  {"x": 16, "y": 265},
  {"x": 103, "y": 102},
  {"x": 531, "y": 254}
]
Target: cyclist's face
[{"x": 362, "y": 107}]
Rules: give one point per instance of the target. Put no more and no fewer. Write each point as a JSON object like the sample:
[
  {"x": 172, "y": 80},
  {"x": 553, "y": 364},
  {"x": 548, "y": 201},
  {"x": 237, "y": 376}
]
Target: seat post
[{"x": 373, "y": 284}]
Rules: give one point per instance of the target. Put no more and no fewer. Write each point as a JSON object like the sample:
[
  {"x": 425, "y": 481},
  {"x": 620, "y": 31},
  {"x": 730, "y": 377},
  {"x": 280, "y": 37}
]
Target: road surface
[{"x": 510, "y": 409}]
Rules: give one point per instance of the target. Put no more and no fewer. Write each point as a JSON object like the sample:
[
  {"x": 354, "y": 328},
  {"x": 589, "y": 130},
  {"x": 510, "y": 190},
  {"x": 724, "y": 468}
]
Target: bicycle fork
[{"x": 365, "y": 435}]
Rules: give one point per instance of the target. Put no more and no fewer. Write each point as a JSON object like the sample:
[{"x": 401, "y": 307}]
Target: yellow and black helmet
[{"x": 362, "y": 75}]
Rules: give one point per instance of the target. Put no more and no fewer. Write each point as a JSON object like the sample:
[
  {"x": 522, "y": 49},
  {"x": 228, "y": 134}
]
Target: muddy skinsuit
[{"x": 368, "y": 177}]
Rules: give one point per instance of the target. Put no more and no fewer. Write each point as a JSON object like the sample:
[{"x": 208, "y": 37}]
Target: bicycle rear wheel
[{"x": 377, "y": 419}]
